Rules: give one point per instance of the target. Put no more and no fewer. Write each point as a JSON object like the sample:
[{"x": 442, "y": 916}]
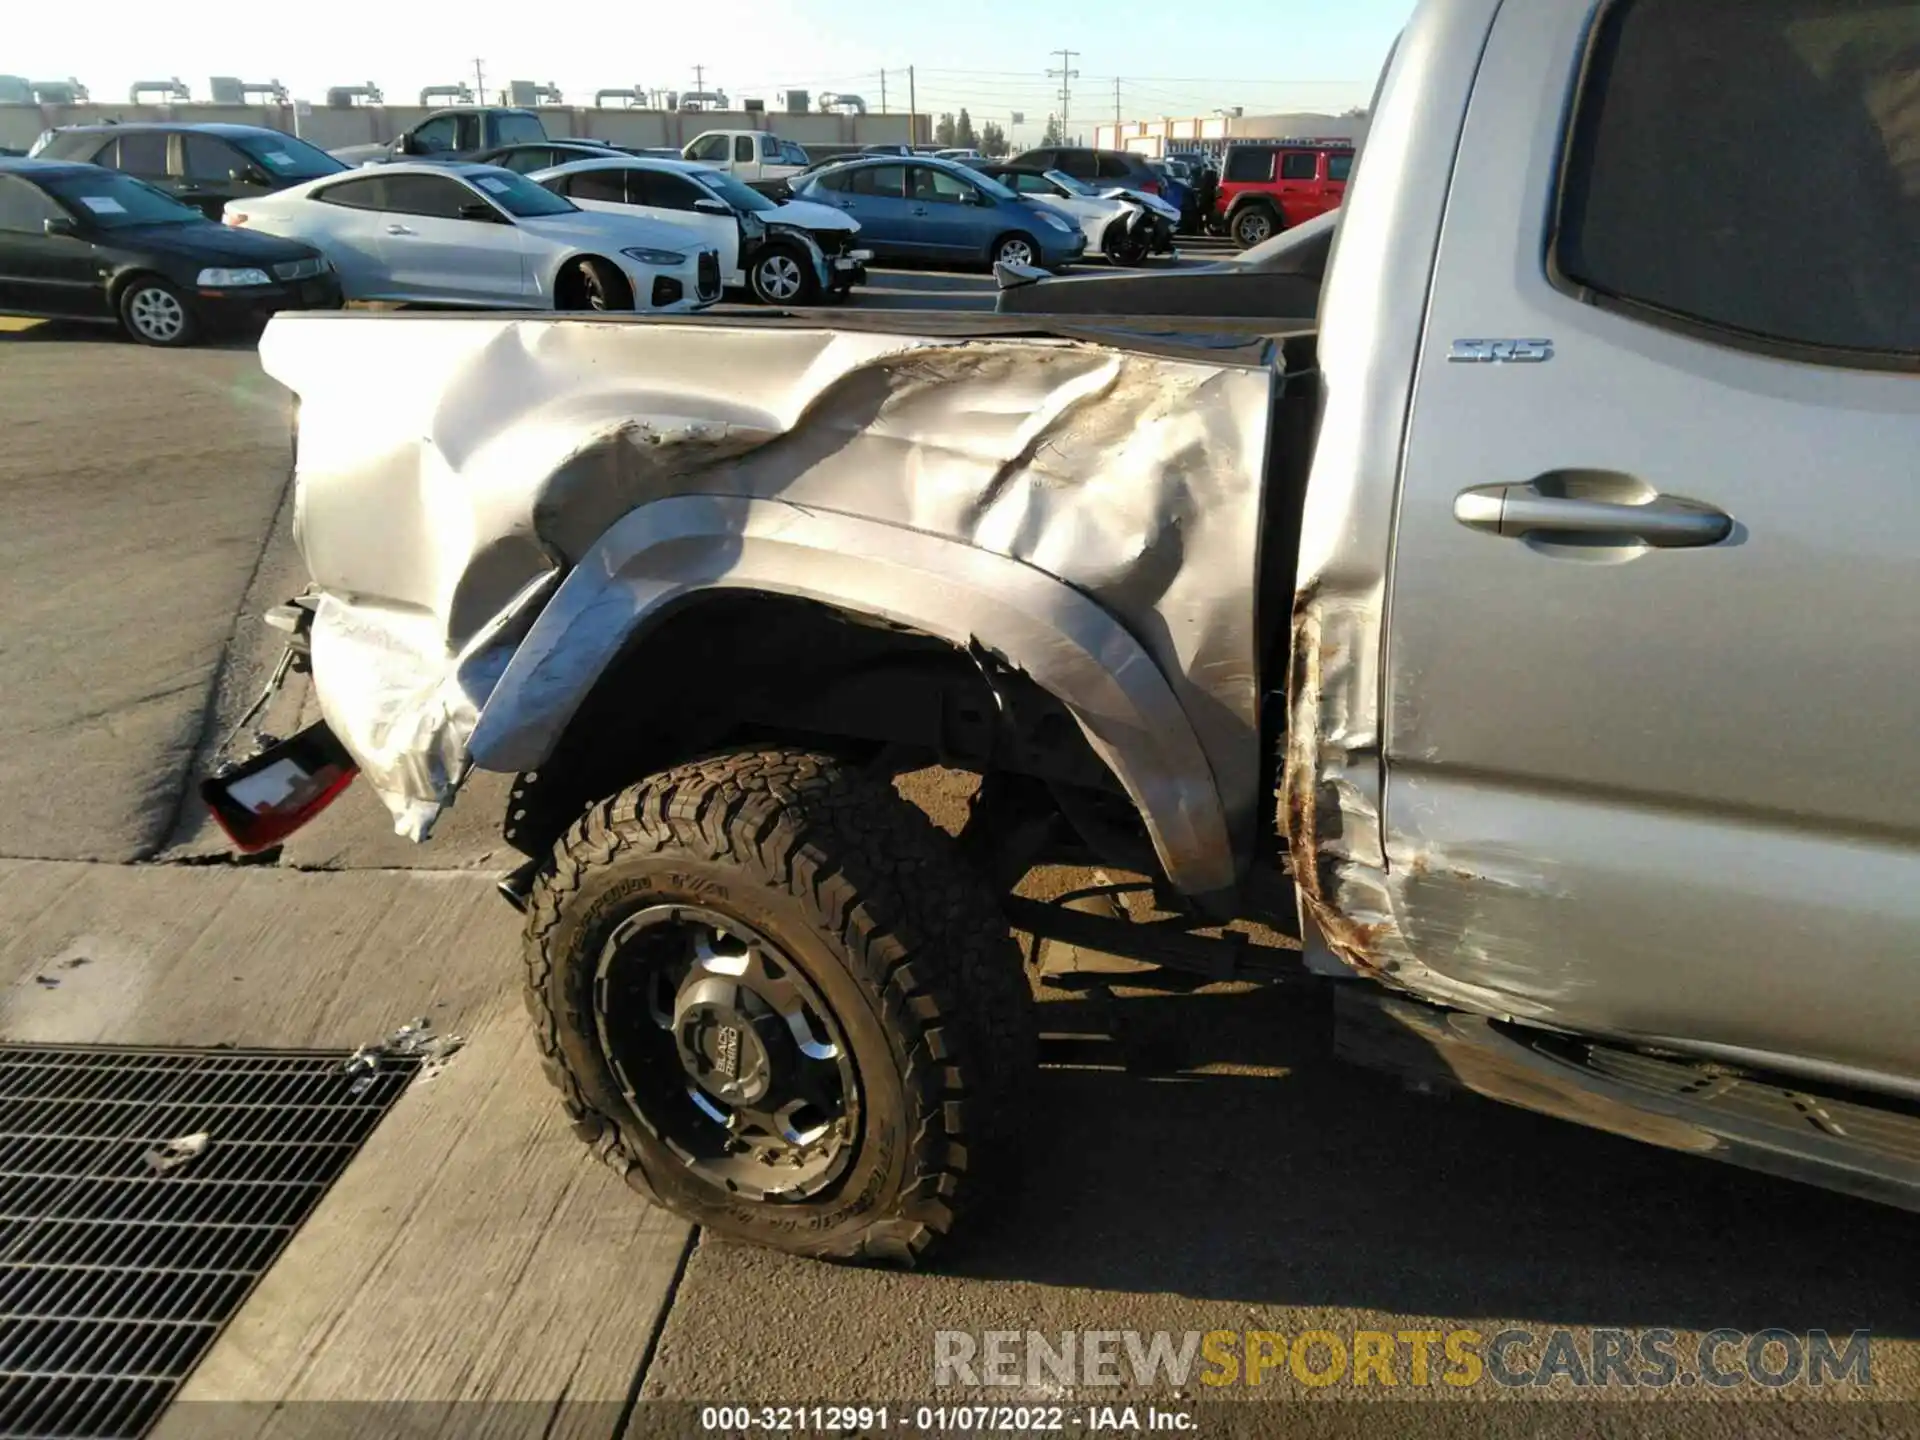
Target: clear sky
[{"x": 1265, "y": 55}]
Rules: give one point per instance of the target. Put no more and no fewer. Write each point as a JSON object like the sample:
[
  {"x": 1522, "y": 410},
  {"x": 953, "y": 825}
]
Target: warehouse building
[{"x": 1169, "y": 135}]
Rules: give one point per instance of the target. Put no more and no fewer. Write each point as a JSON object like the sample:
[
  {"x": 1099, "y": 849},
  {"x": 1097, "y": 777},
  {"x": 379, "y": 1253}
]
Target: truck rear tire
[{"x": 776, "y": 1001}]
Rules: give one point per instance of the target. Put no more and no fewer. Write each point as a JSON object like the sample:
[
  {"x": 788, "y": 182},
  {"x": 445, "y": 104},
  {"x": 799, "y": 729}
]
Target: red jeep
[{"x": 1267, "y": 186}]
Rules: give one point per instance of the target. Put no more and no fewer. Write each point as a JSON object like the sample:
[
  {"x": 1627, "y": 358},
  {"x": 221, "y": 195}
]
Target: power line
[{"x": 1161, "y": 79}]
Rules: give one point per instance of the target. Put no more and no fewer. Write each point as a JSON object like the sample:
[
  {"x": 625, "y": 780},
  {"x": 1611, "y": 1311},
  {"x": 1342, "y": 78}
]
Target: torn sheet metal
[
  {"x": 1372, "y": 321},
  {"x": 414, "y": 1040},
  {"x": 451, "y": 469}
]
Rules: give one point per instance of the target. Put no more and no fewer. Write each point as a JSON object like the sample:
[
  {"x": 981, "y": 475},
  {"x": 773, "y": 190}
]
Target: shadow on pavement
[
  {"x": 1328, "y": 1185},
  {"x": 67, "y": 332}
]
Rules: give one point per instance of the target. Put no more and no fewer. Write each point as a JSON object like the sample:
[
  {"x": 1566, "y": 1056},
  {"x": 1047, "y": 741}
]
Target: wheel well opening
[
  {"x": 748, "y": 670},
  {"x": 570, "y": 285},
  {"x": 122, "y": 281}
]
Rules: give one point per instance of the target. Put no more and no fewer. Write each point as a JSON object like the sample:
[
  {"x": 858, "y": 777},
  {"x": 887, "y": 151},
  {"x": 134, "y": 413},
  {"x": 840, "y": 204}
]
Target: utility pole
[
  {"x": 1066, "y": 75},
  {"x": 700, "y": 79},
  {"x": 1116, "y": 107},
  {"x": 883, "y": 92},
  {"x": 479, "y": 81},
  {"x": 913, "y": 112}
]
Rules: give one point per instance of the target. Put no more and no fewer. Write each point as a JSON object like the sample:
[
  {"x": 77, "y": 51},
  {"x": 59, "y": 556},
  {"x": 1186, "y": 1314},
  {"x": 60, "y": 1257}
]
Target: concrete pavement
[{"x": 1213, "y": 1169}]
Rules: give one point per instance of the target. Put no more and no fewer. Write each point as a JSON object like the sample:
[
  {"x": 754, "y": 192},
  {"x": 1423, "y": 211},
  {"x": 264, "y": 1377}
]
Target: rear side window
[
  {"x": 1299, "y": 166},
  {"x": 743, "y": 147},
  {"x": 1752, "y": 167},
  {"x": 609, "y": 186},
  {"x": 530, "y": 158},
  {"x": 1115, "y": 167},
  {"x": 887, "y": 180},
  {"x": 1077, "y": 163},
  {"x": 658, "y": 187},
  {"x": 431, "y": 195},
  {"x": 1249, "y": 167},
  {"x": 366, "y": 193},
  {"x": 142, "y": 154},
  {"x": 1339, "y": 167}
]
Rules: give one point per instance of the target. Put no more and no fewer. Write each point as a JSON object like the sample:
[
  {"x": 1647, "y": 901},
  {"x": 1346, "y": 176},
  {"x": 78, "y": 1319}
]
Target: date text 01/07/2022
[{"x": 939, "y": 1419}]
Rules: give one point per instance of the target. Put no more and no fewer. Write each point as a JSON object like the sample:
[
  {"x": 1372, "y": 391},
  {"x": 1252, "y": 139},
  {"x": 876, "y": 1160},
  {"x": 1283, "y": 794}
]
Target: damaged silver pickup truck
[{"x": 1533, "y": 626}]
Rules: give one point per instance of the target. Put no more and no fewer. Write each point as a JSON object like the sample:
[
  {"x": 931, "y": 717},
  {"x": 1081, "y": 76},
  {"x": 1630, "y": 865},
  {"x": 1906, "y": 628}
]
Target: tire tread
[{"x": 922, "y": 933}]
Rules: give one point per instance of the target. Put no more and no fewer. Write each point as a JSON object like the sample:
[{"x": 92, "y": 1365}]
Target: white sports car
[
  {"x": 1116, "y": 222},
  {"x": 482, "y": 235},
  {"x": 793, "y": 252}
]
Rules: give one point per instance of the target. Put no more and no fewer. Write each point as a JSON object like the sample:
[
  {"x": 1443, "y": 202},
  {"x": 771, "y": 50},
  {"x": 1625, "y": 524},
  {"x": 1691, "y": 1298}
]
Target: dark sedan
[
  {"x": 79, "y": 242},
  {"x": 204, "y": 165}
]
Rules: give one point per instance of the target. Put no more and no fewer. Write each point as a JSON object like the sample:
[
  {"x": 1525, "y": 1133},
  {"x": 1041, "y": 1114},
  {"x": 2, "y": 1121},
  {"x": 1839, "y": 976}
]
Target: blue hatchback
[{"x": 927, "y": 209}]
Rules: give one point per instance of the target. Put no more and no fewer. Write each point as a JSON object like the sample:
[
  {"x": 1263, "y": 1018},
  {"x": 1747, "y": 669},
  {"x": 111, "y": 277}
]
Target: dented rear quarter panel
[{"x": 461, "y": 484}]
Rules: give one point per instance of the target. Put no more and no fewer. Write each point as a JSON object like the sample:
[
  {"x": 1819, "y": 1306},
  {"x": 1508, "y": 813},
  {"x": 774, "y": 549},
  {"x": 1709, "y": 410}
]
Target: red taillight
[
  {"x": 1150, "y": 187},
  {"x": 263, "y": 801}
]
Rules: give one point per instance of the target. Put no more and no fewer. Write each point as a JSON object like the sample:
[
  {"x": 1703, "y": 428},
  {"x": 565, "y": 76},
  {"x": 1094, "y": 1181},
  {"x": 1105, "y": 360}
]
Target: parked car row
[
  {"x": 478, "y": 206},
  {"x": 793, "y": 253},
  {"x": 82, "y": 242},
  {"x": 928, "y": 209},
  {"x": 471, "y": 234}
]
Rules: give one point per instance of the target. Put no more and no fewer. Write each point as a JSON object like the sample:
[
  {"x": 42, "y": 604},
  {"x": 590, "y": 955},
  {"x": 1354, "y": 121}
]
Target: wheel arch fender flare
[{"x": 673, "y": 549}]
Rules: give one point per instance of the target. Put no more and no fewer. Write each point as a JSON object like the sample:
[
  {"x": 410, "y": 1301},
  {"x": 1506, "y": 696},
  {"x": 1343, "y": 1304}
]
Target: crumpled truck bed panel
[{"x": 451, "y": 471}]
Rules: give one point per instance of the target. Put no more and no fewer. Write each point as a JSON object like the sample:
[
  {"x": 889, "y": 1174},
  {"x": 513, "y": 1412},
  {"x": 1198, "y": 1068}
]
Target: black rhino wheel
[{"x": 774, "y": 999}]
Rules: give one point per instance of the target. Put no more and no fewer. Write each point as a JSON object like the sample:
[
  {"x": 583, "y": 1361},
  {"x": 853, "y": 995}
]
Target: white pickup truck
[
  {"x": 750, "y": 156},
  {"x": 1558, "y": 577}
]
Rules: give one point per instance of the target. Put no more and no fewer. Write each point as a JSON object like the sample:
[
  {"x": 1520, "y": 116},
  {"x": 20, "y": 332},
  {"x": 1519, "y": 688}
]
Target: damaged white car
[{"x": 1522, "y": 633}]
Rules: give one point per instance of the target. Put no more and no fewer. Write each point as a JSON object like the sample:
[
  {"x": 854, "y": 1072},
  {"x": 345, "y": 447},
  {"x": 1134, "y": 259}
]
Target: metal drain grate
[{"x": 126, "y": 1240}]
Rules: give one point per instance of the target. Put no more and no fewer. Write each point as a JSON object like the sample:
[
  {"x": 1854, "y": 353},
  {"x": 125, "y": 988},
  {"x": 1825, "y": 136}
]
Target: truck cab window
[
  {"x": 437, "y": 134},
  {"x": 1695, "y": 231}
]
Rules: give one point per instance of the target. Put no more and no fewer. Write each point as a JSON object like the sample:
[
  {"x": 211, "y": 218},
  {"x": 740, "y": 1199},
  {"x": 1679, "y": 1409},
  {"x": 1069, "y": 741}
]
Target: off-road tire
[{"x": 870, "y": 901}]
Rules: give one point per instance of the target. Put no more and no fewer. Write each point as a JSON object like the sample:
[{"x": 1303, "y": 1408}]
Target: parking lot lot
[{"x": 1199, "y": 1161}]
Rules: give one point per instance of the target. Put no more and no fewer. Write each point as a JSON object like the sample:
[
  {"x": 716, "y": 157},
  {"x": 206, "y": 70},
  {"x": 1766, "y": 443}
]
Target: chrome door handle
[
  {"x": 1666, "y": 521},
  {"x": 400, "y": 230}
]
